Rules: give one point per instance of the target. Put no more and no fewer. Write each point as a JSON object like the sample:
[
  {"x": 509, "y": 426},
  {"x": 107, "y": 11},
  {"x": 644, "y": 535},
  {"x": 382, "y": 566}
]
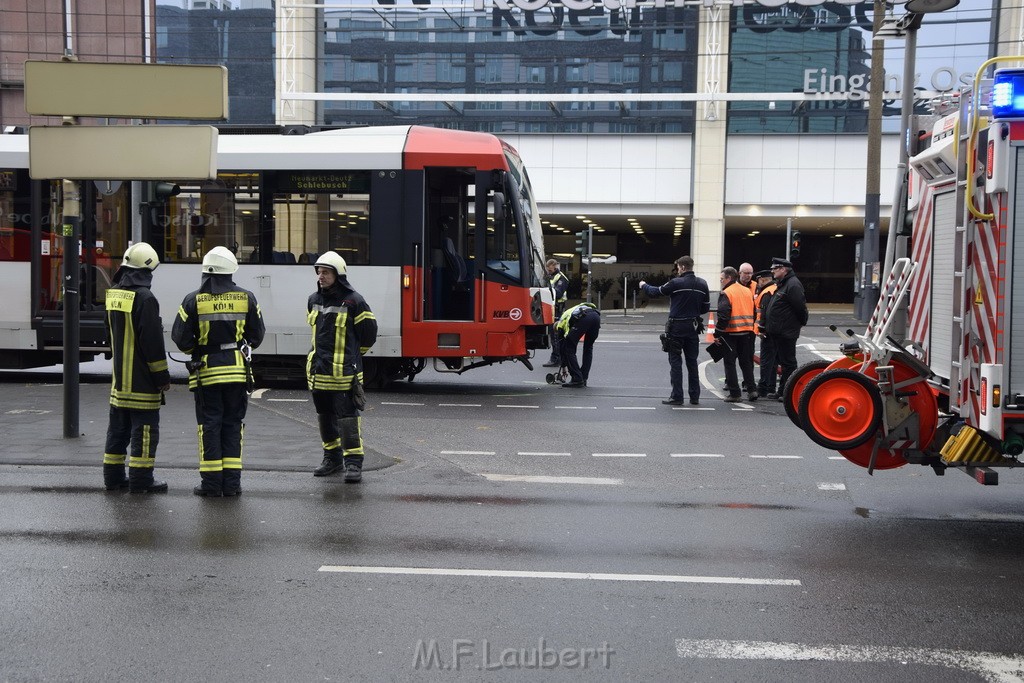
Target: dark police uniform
[{"x": 689, "y": 302}]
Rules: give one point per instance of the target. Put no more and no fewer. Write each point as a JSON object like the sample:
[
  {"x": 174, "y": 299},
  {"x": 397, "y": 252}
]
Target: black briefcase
[{"x": 716, "y": 349}]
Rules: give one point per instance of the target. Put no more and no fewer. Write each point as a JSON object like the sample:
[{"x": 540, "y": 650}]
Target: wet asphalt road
[{"x": 662, "y": 544}]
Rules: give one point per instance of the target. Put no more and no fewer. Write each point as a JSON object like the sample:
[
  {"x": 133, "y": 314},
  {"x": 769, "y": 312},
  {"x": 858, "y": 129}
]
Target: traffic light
[
  {"x": 163, "y": 191},
  {"x": 794, "y": 245},
  {"x": 581, "y": 243}
]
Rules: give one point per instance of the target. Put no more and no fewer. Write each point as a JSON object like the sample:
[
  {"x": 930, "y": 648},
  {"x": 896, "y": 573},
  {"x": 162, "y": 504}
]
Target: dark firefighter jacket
[
  {"x": 344, "y": 328},
  {"x": 212, "y": 323},
  {"x": 136, "y": 337},
  {"x": 787, "y": 309}
]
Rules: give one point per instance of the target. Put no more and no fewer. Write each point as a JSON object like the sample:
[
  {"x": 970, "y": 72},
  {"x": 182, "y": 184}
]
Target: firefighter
[
  {"x": 786, "y": 314},
  {"x": 582, "y": 320},
  {"x": 218, "y": 324},
  {"x": 559, "y": 283},
  {"x": 344, "y": 328},
  {"x": 736, "y": 327},
  {"x": 765, "y": 288},
  {"x": 139, "y": 375}
]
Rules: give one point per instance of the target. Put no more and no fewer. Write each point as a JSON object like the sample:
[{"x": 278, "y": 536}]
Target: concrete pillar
[
  {"x": 707, "y": 241},
  {"x": 1010, "y": 40}
]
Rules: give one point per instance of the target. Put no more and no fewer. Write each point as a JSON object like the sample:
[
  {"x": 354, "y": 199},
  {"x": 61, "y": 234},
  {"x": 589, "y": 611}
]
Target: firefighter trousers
[
  {"x": 139, "y": 429},
  {"x": 340, "y": 428},
  {"x": 220, "y": 409}
]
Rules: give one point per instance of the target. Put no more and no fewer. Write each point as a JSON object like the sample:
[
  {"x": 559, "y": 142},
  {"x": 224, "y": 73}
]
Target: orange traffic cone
[{"x": 710, "y": 328}]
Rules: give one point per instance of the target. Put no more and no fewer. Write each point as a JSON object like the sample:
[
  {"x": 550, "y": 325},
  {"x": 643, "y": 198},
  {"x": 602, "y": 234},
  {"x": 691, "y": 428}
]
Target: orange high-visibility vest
[{"x": 742, "y": 301}]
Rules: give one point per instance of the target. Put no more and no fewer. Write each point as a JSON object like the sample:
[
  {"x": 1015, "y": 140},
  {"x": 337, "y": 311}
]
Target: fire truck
[{"x": 948, "y": 390}]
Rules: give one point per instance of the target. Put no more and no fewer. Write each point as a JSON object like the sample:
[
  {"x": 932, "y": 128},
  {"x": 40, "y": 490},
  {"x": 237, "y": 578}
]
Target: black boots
[
  {"x": 140, "y": 480},
  {"x": 332, "y": 463},
  {"x": 114, "y": 479},
  {"x": 353, "y": 469},
  {"x": 212, "y": 485}
]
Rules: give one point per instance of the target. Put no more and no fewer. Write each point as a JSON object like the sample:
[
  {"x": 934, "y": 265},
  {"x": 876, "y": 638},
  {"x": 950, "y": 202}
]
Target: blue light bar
[{"x": 1008, "y": 94}]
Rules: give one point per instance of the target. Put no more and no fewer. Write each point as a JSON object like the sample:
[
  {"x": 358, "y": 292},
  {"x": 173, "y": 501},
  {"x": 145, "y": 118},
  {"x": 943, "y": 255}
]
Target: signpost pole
[{"x": 72, "y": 283}]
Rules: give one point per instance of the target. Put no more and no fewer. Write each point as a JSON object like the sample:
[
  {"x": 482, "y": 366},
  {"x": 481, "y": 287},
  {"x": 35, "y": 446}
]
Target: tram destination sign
[
  {"x": 130, "y": 91},
  {"x": 312, "y": 182}
]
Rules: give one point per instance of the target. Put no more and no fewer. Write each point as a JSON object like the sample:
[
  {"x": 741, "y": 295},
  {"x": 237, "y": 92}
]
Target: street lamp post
[{"x": 868, "y": 291}]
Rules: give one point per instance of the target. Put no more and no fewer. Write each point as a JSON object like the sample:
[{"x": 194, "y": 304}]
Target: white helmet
[
  {"x": 220, "y": 261},
  {"x": 140, "y": 255},
  {"x": 331, "y": 259}
]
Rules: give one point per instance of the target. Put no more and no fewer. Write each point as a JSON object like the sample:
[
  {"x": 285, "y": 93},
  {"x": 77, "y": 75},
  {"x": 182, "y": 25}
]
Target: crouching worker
[
  {"x": 139, "y": 375},
  {"x": 218, "y": 324},
  {"x": 580, "y": 321},
  {"x": 344, "y": 329}
]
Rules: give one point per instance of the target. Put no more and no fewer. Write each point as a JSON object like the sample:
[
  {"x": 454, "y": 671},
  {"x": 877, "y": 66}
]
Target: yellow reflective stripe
[
  {"x": 211, "y": 466},
  {"x": 332, "y": 445},
  {"x": 137, "y": 401},
  {"x": 204, "y": 332},
  {"x": 140, "y": 461},
  {"x": 339, "y": 344},
  {"x": 199, "y": 430},
  {"x": 147, "y": 442},
  {"x": 232, "y": 463},
  {"x": 127, "y": 352},
  {"x": 182, "y": 314},
  {"x": 365, "y": 315},
  {"x": 329, "y": 383},
  {"x": 157, "y": 365},
  {"x": 114, "y": 458}
]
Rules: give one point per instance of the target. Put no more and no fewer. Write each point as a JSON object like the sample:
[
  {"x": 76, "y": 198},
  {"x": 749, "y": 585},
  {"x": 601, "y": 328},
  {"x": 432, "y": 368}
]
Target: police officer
[
  {"x": 736, "y": 327},
  {"x": 559, "y": 283},
  {"x": 139, "y": 375},
  {"x": 344, "y": 328},
  {"x": 786, "y": 314},
  {"x": 218, "y": 324},
  {"x": 582, "y": 320},
  {"x": 689, "y": 301}
]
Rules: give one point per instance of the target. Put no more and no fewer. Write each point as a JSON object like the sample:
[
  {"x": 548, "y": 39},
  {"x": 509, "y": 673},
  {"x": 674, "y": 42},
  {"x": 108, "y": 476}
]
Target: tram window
[
  {"x": 317, "y": 211},
  {"x": 222, "y": 212},
  {"x": 15, "y": 217},
  {"x": 503, "y": 242}
]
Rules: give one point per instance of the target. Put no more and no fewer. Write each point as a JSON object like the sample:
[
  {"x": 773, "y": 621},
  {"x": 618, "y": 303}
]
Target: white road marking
[
  {"x": 541, "y": 479},
  {"x": 459, "y": 405},
  {"x": 259, "y": 393},
  {"x": 836, "y": 457},
  {"x": 575, "y": 407},
  {"x": 691, "y": 408},
  {"x": 703, "y": 372},
  {"x": 778, "y": 457},
  {"x": 612, "y": 341},
  {"x": 633, "y": 408},
  {"x": 289, "y": 400},
  {"x": 468, "y": 453},
  {"x": 990, "y": 666},
  {"x": 588, "y": 576},
  {"x": 541, "y": 453},
  {"x": 506, "y": 405},
  {"x": 619, "y": 455},
  {"x": 825, "y": 486},
  {"x": 398, "y": 403},
  {"x": 697, "y": 455}
]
